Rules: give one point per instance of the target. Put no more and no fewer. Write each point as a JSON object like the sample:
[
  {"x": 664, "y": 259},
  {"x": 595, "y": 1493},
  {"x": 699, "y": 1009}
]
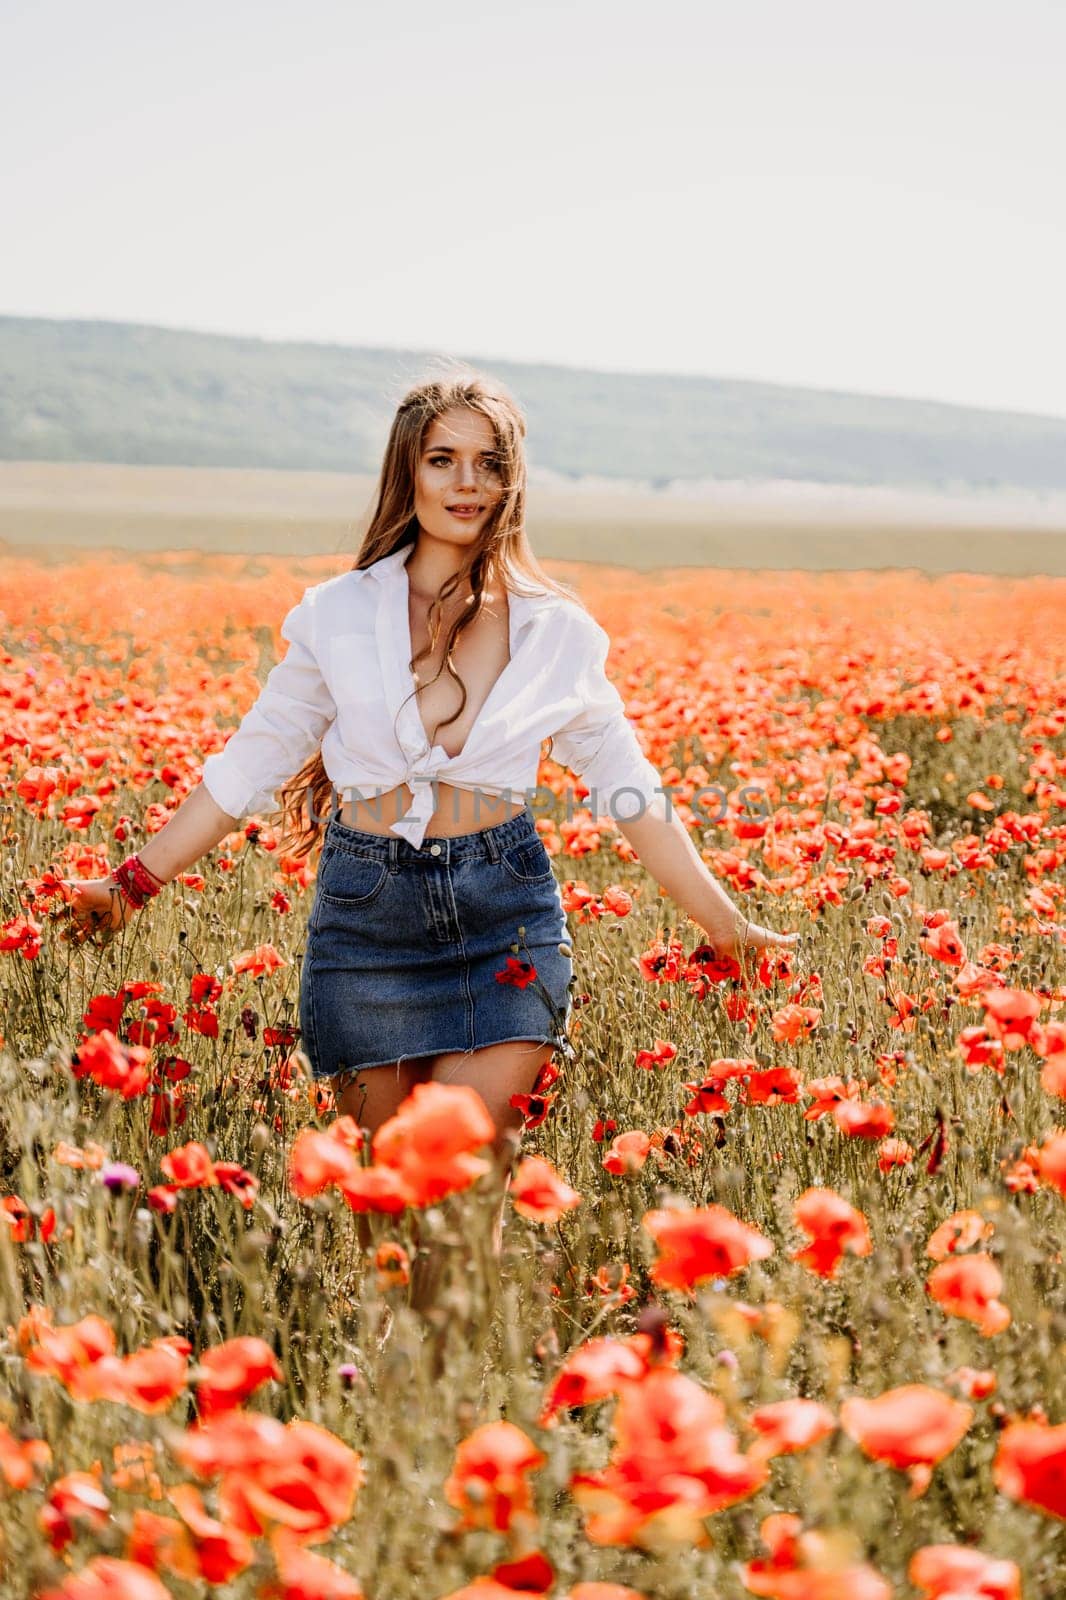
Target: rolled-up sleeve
[
  {"x": 281, "y": 730},
  {"x": 601, "y": 745}
]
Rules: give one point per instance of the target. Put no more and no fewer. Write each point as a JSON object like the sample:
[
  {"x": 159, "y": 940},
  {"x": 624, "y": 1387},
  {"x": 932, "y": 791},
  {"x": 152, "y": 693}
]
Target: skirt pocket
[
  {"x": 347, "y": 879},
  {"x": 527, "y": 862}
]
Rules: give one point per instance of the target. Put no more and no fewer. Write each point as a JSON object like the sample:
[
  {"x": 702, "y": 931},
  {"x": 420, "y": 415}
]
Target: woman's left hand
[{"x": 735, "y": 934}]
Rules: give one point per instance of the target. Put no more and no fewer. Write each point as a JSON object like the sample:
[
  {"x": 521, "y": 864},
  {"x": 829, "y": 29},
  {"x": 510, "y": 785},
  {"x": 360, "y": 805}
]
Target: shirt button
[{"x": 434, "y": 849}]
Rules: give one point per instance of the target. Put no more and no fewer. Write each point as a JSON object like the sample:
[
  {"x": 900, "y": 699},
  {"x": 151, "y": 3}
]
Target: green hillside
[{"x": 123, "y": 392}]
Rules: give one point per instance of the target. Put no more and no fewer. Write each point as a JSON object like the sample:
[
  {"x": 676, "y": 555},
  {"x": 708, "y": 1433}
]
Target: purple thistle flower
[{"x": 118, "y": 1177}]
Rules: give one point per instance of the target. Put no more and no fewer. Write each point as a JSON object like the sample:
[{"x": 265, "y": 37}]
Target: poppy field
[{"x": 780, "y": 1307}]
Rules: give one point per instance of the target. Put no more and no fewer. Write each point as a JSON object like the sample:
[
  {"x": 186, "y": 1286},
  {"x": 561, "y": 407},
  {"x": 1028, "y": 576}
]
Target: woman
[{"x": 430, "y": 674}]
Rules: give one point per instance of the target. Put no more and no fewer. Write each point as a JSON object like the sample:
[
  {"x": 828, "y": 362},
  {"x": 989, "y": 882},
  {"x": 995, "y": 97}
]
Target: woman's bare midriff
[{"x": 457, "y": 811}]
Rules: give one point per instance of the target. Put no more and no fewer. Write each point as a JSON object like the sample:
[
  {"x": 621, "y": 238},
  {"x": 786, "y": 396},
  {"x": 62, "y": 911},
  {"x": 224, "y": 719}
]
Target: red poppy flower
[
  {"x": 835, "y": 1229},
  {"x": 958, "y": 1232},
  {"x": 189, "y": 1167},
  {"x": 228, "y": 1373},
  {"x": 516, "y": 974},
  {"x": 907, "y": 1427},
  {"x": 108, "y": 1579},
  {"x": 789, "y": 1425},
  {"x": 21, "y": 1459},
  {"x": 1010, "y": 1014},
  {"x": 150, "y": 1379},
  {"x": 948, "y": 1571},
  {"x": 968, "y": 1286},
  {"x": 1030, "y": 1465},
  {"x": 489, "y": 1481},
  {"x": 1051, "y": 1161},
  {"x": 860, "y": 1119},
  {"x": 776, "y": 1086},
  {"x": 302, "y": 1575},
  {"x": 538, "y": 1192},
  {"x": 376, "y": 1189},
  {"x": 112, "y": 1064},
  {"x": 673, "y": 1463},
  {"x": 599, "y": 1368},
  {"x": 321, "y": 1157},
  {"x": 220, "y": 1552},
  {"x": 392, "y": 1266},
  {"x": 628, "y": 1153},
  {"x": 809, "y": 1565},
  {"x": 700, "y": 1244},
  {"x": 74, "y": 1501},
  {"x": 431, "y": 1138}
]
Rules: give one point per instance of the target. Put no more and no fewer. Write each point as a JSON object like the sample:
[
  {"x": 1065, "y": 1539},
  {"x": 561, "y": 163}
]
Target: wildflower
[
  {"x": 119, "y": 1177},
  {"x": 302, "y": 1575},
  {"x": 296, "y": 1475},
  {"x": 863, "y": 1120},
  {"x": 975, "y": 1383},
  {"x": 943, "y": 943},
  {"x": 912, "y": 1426},
  {"x": 894, "y": 1153},
  {"x": 232, "y": 1179},
  {"x": 534, "y": 1108},
  {"x": 376, "y": 1189},
  {"x": 1010, "y": 1015},
  {"x": 958, "y": 1232},
  {"x": 968, "y": 1286},
  {"x": 673, "y": 1462},
  {"x": 112, "y": 1064},
  {"x": 538, "y": 1192},
  {"x": 1030, "y": 1465},
  {"x": 828, "y": 1093},
  {"x": 834, "y": 1227},
  {"x": 789, "y": 1425},
  {"x": 810, "y": 1565},
  {"x": 392, "y": 1266},
  {"x": 105, "y": 1578},
  {"x": 91, "y": 1157},
  {"x": 957, "y": 1572},
  {"x": 149, "y": 1380},
  {"x": 429, "y": 1142},
  {"x": 74, "y": 1500},
  {"x": 189, "y": 1167},
  {"x": 661, "y": 1052},
  {"x": 319, "y": 1158},
  {"x": 516, "y": 974},
  {"x": 68, "y": 1353},
  {"x": 1051, "y": 1161},
  {"x": 218, "y": 1552},
  {"x": 21, "y": 1459},
  {"x": 260, "y": 962},
  {"x": 776, "y": 1086},
  {"x": 628, "y": 1153},
  {"x": 228, "y": 1373},
  {"x": 489, "y": 1481},
  {"x": 600, "y": 1367},
  {"x": 16, "y": 1215},
  {"x": 696, "y": 1245}
]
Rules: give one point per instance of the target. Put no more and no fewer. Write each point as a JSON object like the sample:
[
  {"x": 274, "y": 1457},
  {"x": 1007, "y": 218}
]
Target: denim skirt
[{"x": 453, "y": 944}]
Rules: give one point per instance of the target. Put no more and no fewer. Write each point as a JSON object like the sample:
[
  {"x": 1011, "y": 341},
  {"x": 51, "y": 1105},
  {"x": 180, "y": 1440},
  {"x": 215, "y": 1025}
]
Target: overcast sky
[{"x": 850, "y": 194}]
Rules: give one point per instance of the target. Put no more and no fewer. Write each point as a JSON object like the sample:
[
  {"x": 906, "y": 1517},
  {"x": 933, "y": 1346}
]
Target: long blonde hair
[{"x": 503, "y": 555}]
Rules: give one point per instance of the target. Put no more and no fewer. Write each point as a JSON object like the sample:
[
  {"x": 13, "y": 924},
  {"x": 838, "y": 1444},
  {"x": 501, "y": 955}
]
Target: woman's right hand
[{"x": 95, "y": 910}]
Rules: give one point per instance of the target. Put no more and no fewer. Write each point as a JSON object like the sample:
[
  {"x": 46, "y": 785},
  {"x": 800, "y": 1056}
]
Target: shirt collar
[{"x": 389, "y": 570}]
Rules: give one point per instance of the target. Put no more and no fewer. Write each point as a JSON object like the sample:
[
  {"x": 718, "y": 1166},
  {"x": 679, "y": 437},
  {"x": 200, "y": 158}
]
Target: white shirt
[{"x": 346, "y": 673}]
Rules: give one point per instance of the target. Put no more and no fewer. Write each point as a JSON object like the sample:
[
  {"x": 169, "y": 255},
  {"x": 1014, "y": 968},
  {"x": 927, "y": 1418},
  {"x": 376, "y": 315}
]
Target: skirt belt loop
[
  {"x": 492, "y": 846},
  {"x": 394, "y": 854}
]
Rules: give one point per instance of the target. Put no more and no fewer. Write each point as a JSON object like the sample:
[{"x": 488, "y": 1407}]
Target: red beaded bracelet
[{"x": 137, "y": 882}]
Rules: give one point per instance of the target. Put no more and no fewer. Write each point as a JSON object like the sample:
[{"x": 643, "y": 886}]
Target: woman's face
[{"x": 458, "y": 467}]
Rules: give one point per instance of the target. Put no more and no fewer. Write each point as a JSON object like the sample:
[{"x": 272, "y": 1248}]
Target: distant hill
[{"x": 143, "y": 395}]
